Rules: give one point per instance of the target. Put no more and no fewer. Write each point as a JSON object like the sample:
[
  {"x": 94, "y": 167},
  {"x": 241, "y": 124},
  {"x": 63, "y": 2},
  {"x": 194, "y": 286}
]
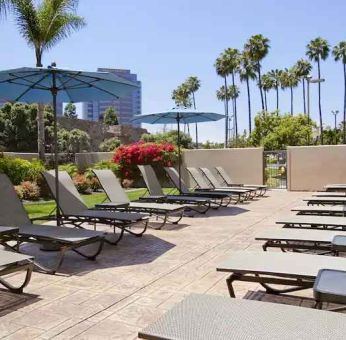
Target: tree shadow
[
  {"x": 11, "y": 302},
  {"x": 228, "y": 211}
]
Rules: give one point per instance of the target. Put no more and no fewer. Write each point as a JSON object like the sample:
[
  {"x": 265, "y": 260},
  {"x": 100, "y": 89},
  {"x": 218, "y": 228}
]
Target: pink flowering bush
[{"x": 141, "y": 153}]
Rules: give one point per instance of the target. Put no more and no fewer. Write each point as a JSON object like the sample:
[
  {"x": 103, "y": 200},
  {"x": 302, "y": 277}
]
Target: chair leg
[
  {"x": 91, "y": 257},
  {"x": 18, "y": 290}
]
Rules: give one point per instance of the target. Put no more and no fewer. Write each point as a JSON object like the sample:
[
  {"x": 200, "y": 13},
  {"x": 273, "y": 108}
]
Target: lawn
[{"x": 45, "y": 208}]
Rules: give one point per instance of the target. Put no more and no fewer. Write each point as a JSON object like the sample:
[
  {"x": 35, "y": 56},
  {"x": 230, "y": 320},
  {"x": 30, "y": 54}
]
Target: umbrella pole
[
  {"x": 179, "y": 154},
  {"x": 196, "y": 136},
  {"x": 56, "y": 159}
]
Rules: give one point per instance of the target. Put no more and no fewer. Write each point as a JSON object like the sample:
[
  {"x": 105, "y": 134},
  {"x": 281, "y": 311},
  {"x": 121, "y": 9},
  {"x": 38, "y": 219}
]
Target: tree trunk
[
  {"x": 319, "y": 99},
  {"x": 344, "y": 122},
  {"x": 196, "y": 126},
  {"x": 226, "y": 114},
  {"x": 260, "y": 84},
  {"x": 265, "y": 100},
  {"x": 249, "y": 103},
  {"x": 277, "y": 99},
  {"x": 304, "y": 97},
  {"x": 235, "y": 110},
  {"x": 291, "y": 89}
]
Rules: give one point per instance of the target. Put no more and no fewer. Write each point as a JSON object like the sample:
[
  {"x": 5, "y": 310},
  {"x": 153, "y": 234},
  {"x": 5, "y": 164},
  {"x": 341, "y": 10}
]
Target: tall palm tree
[
  {"x": 232, "y": 58},
  {"x": 43, "y": 24},
  {"x": 289, "y": 79},
  {"x": 193, "y": 84},
  {"x": 258, "y": 46},
  {"x": 303, "y": 68},
  {"x": 267, "y": 85},
  {"x": 223, "y": 70},
  {"x": 247, "y": 71},
  {"x": 339, "y": 52},
  {"x": 224, "y": 94},
  {"x": 275, "y": 76},
  {"x": 317, "y": 50},
  {"x": 234, "y": 94}
]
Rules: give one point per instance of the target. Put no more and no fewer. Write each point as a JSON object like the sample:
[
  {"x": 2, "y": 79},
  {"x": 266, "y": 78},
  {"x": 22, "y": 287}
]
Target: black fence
[{"x": 275, "y": 169}]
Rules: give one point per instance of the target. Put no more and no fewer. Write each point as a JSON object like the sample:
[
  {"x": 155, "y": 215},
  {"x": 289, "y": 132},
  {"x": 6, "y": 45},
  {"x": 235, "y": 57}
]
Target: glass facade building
[{"x": 125, "y": 107}]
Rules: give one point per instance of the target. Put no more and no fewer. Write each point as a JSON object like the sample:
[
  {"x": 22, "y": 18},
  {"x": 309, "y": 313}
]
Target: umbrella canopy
[
  {"x": 50, "y": 85},
  {"x": 178, "y": 116}
]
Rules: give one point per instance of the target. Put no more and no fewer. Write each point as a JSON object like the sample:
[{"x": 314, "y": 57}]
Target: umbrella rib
[
  {"x": 13, "y": 81},
  {"x": 30, "y": 88}
]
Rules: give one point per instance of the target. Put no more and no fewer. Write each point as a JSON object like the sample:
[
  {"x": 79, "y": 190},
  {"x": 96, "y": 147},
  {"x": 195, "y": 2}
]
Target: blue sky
[{"x": 164, "y": 42}]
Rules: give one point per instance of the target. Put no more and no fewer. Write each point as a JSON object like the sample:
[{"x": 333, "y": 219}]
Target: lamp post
[
  {"x": 335, "y": 113},
  {"x": 311, "y": 81}
]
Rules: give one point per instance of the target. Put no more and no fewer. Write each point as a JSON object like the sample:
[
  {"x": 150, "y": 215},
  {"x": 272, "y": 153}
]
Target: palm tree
[
  {"x": 247, "y": 71},
  {"x": 234, "y": 94},
  {"x": 258, "y": 46},
  {"x": 317, "y": 50},
  {"x": 339, "y": 52},
  {"x": 303, "y": 68},
  {"x": 181, "y": 96},
  {"x": 267, "y": 85},
  {"x": 193, "y": 84},
  {"x": 289, "y": 79},
  {"x": 232, "y": 58},
  {"x": 43, "y": 25},
  {"x": 4, "y": 6},
  {"x": 275, "y": 76},
  {"x": 224, "y": 94},
  {"x": 223, "y": 70}
]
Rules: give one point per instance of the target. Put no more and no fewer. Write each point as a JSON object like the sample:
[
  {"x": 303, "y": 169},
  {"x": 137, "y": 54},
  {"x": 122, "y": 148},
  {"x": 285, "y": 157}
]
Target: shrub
[
  {"x": 169, "y": 137},
  {"x": 82, "y": 184},
  {"x": 109, "y": 145},
  {"x": 129, "y": 156},
  {"x": 70, "y": 168},
  {"x": 28, "y": 191},
  {"x": 20, "y": 170}
]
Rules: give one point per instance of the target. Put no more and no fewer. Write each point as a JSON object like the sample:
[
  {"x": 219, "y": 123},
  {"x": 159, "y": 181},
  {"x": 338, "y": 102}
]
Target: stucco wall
[
  {"x": 84, "y": 160},
  {"x": 312, "y": 167},
  {"x": 242, "y": 165}
]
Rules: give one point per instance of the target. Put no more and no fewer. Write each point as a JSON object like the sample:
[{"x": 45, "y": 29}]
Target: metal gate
[{"x": 275, "y": 169}]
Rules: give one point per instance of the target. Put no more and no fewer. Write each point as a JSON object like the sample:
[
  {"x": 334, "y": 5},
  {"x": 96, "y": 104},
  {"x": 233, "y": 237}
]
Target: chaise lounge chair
[
  {"x": 203, "y": 185},
  {"x": 10, "y": 263},
  {"x": 228, "y": 181},
  {"x": 204, "y": 317},
  {"x": 219, "y": 198},
  {"x": 325, "y": 200},
  {"x": 75, "y": 212},
  {"x": 329, "y": 194},
  {"x": 13, "y": 213},
  {"x": 119, "y": 200},
  {"x": 217, "y": 185},
  {"x": 313, "y": 222},
  {"x": 295, "y": 271},
  {"x": 335, "y": 187},
  {"x": 195, "y": 203},
  {"x": 336, "y": 210}
]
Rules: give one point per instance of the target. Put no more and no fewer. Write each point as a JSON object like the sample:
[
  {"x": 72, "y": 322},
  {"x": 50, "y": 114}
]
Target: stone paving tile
[{"x": 132, "y": 284}]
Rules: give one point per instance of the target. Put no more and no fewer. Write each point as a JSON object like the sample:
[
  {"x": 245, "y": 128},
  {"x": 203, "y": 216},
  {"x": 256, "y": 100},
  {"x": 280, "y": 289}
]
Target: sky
[{"x": 165, "y": 42}]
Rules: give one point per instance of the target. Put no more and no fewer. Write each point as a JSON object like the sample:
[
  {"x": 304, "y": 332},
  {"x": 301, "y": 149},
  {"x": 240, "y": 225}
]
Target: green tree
[
  {"x": 247, "y": 72},
  {"x": 275, "y": 132},
  {"x": 317, "y": 50},
  {"x": 43, "y": 24},
  {"x": 181, "y": 96},
  {"x": 257, "y": 47},
  {"x": 70, "y": 111},
  {"x": 267, "y": 85},
  {"x": 303, "y": 68},
  {"x": 289, "y": 79},
  {"x": 74, "y": 141},
  {"x": 109, "y": 144},
  {"x": 275, "y": 75},
  {"x": 110, "y": 117},
  {"x": 339, "y": 52},
  {"x": 169, "y": 137}
]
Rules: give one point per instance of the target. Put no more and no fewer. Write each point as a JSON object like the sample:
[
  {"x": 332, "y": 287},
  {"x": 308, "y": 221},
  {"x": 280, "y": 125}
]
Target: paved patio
[{"x": 132, "y": 284}]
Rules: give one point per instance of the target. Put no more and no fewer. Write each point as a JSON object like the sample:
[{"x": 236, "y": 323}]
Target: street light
[
  {"x": 335, "y": 113},
  {"x": 311, "y": 81}
]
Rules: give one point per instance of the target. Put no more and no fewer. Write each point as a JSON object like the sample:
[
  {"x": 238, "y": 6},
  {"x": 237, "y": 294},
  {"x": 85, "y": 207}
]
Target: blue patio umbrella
[
  {"x": 178, "y": 116},
  {"x": 51, "y": 85}
]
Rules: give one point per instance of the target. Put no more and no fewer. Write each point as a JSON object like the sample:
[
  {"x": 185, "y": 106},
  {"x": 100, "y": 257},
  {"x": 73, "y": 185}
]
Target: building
[{"x": 125, "y": 107}]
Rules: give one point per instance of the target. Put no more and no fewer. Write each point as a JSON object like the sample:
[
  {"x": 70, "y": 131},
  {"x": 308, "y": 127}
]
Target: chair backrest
[
  {"x": 151, "y": 180},
  {"x": 12, "y": 212},
  {"x": 211, "y": 178},
  {"x": 224, "y": 175},
  {"x": 198, "y": 178},
  {"x": 70, "y": 202},
  {"x": 174, "y": 176},
  {"x": 111, "y": 186}
]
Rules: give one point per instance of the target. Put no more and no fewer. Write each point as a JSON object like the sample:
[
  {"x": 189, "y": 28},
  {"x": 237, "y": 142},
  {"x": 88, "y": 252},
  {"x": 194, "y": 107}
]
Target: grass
[{"x": 45, "y": 208}]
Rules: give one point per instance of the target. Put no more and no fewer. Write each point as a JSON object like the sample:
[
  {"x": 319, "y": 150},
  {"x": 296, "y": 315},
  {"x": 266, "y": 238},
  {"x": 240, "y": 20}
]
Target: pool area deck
[{"x": 132, "y": 284}]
